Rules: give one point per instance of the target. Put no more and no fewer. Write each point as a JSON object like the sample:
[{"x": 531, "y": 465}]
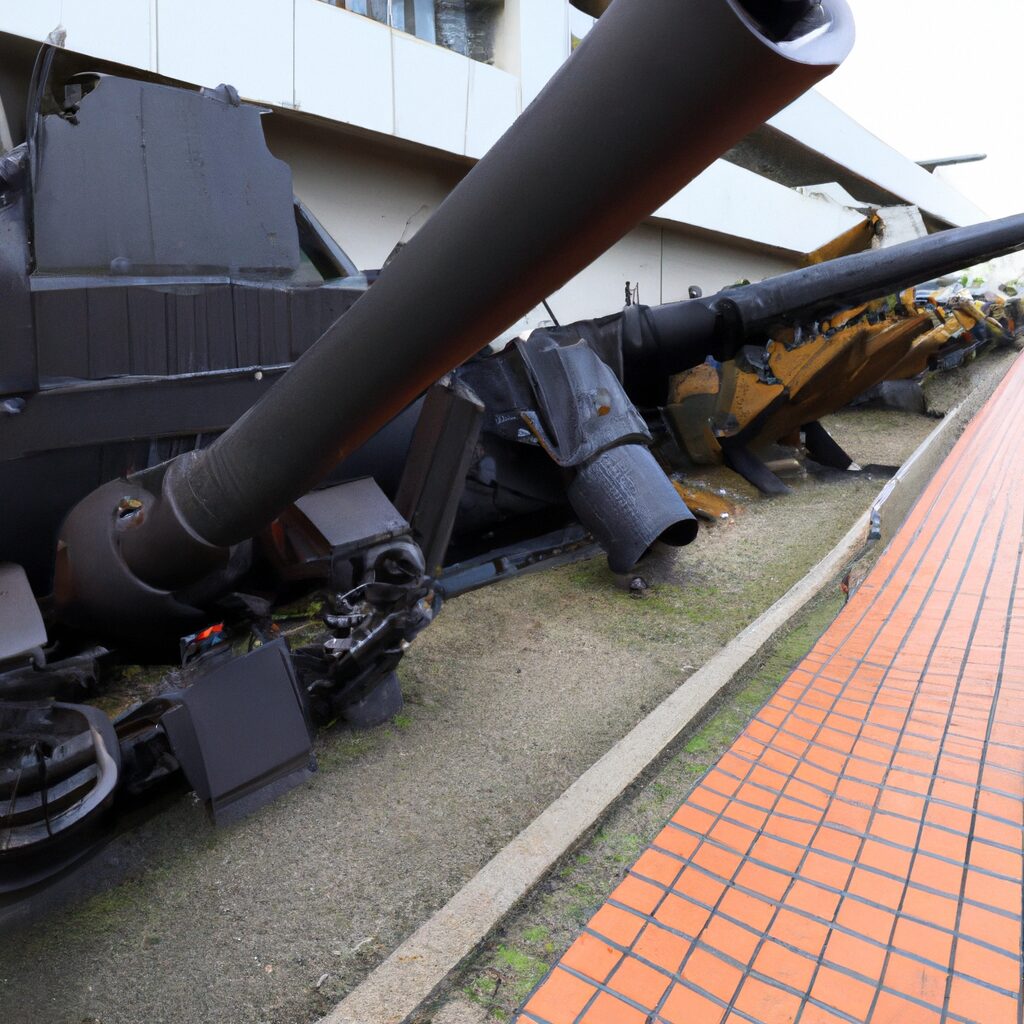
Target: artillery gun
[
  {"x": 166, "y": 478},
  {"x": 201, "y": 480},
  {"x": 159, "y": 461},
  {"x": 750, "y": 366}
]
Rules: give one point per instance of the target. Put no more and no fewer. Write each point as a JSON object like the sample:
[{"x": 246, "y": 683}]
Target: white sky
[{"x": 943, "y": 78}]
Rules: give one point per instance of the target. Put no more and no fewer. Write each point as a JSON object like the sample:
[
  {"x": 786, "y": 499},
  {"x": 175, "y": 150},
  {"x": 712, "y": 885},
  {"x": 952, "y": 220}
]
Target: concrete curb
[
  {"x": 415, "y": 970},
  {"x": 894, "y": 502}
]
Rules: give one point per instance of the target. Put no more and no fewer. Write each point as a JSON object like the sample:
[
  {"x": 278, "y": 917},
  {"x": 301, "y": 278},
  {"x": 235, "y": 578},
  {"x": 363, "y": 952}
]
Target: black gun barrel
[
  {"x": 656, "y": 92},
  {"x": 686, "y": 332}
]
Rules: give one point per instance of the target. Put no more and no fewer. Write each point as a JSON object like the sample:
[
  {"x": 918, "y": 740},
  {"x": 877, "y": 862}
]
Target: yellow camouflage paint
[{"x": 801, "y": 376}]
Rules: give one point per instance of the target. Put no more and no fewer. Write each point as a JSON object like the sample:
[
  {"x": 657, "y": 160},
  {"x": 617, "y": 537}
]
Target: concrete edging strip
[
  {"x": 893, "y": 504},
  {"x": 420, "y": 965},
  {"x": 414, "y": 971}
]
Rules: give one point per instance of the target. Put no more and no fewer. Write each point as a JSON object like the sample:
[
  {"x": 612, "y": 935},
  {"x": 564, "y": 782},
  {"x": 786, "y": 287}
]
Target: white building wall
[
  {"x": 364, "y": 193},
  {"x": 713, "y": 264},
  {"x": 323, "y": 60},
  {"x": 662, "y": 261},
  {"x": 124, "y": 30},
  {"x": 817, "y": 123},
  {"x": 250, "y": 47},
  {"x": 410, "y": 117},
  {"x": 600, "y": 289},
  {"x": 343, "y": 67},
  {"x": 327, "y": 61},
  {"x": 733, "y": 201},
  {"x": 543, "y": 43},
  {"x": 367, "y": 194}
]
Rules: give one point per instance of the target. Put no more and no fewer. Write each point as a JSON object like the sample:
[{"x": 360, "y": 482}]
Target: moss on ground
[{"x": 334, "y": 749}]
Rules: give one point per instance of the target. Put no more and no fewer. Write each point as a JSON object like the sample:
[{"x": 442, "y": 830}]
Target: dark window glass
[
  {"x": 465, "y": 26},
  {"x": 468, "y": 26}
]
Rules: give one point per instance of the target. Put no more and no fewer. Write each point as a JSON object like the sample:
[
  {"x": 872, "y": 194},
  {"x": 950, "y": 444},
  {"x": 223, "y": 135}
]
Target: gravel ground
[{"x": 511, "y": 694}]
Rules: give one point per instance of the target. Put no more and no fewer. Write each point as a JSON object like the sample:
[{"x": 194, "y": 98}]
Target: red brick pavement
[{"x": 856, "y": 856}]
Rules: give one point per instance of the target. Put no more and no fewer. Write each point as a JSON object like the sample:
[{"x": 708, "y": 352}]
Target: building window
[
  {"x": 465, "y": 26},
  {"x": 469, "y": 26}
]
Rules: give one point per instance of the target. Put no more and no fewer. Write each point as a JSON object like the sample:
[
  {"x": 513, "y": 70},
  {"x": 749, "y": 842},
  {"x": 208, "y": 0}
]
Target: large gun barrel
[
  {"x": 683, "y": 334},
  {"x": 656, "y": 92}
]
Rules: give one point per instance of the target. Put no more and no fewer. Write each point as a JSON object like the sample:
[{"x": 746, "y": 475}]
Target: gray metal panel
[
  {"x": 81, "y": 414},
  {"x": 21, "y": 623},
  {"x": 62, "y": 338},
  {"x": 147, "y": 316},
  {"x": 185, "y": 357},
  {"x": 95, "y": 331},
  {"x": 241, "y": 728},
  {"x": 434, "y": 478},
  {"x": 218, "y": 314},
  {"x": 17, "y": 350},
  {"x": 352, "y": 515},
  {"x": 247, "y": 325},
  {"x": 275, "y": 325},
  {"x": 160, "y": 177},
  {"x": 107, "y": 331}
]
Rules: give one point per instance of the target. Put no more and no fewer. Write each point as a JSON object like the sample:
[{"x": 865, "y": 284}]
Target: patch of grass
[
  {"x": 309, "y": 608},
  {"x": 401, "y": 720},
  {"x": 625, "y": 848},
  {"x": 482, "y": 990},
  {"x": 526, "y": 971},
  {"x": 694, "y": 768},
  {"x": 586, "y": 574},
  {"x": 671, "y": 609},
  {"x": 585, "y": 893},
  {"x": 338, "y": 749},
  {"x": 103, "y": 912},
  {"x": 698, "y": 744}
]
